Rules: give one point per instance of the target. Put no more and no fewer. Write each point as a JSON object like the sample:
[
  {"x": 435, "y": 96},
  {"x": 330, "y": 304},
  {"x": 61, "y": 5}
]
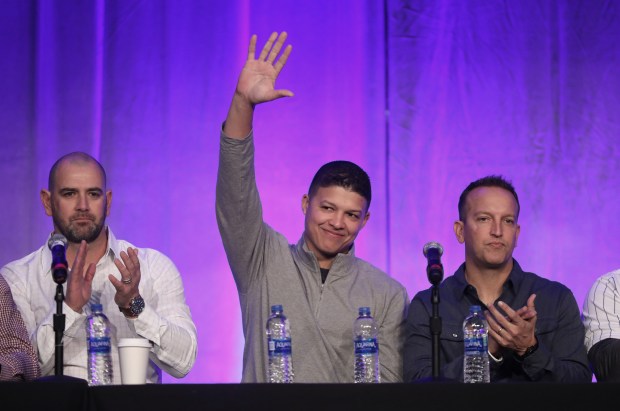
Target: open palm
[{"x": 257, "y": 80}]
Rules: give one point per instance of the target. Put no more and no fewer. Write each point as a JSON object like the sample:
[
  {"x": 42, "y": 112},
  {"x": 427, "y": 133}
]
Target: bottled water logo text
[
  {"x": 99, "y": 345},
  {"x": 366, "y": 346},
  {"x": 279, "y": 346},
  {"x": 476, "y": 344}
]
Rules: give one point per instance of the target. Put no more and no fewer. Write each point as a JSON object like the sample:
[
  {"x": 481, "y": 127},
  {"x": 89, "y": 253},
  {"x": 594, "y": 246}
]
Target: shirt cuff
[{"x": 496, "y": 360}]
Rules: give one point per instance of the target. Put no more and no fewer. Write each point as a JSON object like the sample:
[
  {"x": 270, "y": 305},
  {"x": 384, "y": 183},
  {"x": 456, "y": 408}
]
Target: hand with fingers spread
[
  {"x": 80, "y": 280},
  {"x": 257, "y": 79},
  {"x": 257, "y": 84},
  {"x": 127, "y": 286},
  {"x": 512, "y": 329}
]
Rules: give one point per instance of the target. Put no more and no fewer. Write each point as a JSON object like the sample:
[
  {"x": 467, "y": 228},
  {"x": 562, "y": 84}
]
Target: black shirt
[{"x": 561, "y": 355}]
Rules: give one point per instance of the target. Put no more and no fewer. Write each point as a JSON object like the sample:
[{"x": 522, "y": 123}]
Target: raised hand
[
  {"x": 127, "y": 286},
  {"x": 257, "y": 79},
  {"x": 80, "y": 280},
  {"x": 256, "y": 84}
]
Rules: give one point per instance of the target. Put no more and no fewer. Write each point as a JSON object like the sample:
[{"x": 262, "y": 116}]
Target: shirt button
[{"x": 454, "y": 335}]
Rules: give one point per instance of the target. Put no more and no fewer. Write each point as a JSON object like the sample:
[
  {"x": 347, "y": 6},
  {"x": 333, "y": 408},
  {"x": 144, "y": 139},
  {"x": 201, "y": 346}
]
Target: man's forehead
[
  {"x": 80, "y": 172},
  {"x": 490, "y": 197},
  {"x": 341, "y": 196}
]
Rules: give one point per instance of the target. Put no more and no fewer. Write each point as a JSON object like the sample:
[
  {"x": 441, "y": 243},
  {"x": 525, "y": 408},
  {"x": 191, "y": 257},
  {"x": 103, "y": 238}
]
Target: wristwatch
[
  {"x": 136, "y": 306},
  {"x": 528, "y": 351}
]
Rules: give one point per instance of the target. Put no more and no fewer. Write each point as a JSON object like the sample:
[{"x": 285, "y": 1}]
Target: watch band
[
  {"x": 136, "y": 306},
  {"x": 528, "y": 351}
]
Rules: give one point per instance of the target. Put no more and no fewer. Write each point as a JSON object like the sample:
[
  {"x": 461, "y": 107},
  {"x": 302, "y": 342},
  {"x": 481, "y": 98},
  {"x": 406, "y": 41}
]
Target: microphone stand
[
  {"x": 59, "y": 329},
  {"x": 434, "y": 272},
  {"x": 435, "y": 326}
]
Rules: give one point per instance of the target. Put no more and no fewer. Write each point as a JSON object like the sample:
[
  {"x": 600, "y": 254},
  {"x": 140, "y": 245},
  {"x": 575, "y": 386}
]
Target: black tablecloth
[{"x": 322, "y": 397}]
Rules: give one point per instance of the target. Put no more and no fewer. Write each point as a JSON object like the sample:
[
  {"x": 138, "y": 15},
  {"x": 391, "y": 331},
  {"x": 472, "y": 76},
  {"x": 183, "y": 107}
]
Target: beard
[{"x": 75, "y": 233}]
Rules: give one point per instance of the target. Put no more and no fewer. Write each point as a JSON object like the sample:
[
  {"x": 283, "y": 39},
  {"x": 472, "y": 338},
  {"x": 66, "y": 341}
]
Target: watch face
[{"x": 136, "y": 305}]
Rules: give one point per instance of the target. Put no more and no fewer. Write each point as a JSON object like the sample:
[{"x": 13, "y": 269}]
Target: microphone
[
  {"x": 58, "y": 244},
  {"x": 434, "y": 269}
]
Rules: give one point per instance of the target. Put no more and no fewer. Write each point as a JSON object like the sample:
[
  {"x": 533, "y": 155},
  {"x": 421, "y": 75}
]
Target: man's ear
[
  {"x": 305, "y": 200},
  {"x": 459, "y": 227},
  {"x": 517, "y": 234},
  {"x": 46, "y": 200},
  {"x": 365, "y": 220},
  {"x": 108, "y": 196}
]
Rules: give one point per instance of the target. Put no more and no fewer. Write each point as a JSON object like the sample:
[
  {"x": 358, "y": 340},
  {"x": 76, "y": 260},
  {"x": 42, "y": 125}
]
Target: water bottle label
[
  {"x": 476, "y": 344},
  {"x": 366, "y": 346},
  {"x": 99, "y": 345},
  {"x": 279, "y": 346}
]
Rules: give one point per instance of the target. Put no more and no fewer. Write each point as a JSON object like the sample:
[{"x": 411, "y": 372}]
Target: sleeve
[
  {"x": 391, "y": 337},
  {"x": 601, "y": 311},
  {"x": 565, "y": 360},
  {"x": 418, "y": 356},
  {"x": 605, "y": 359},
  {"x": 239, "y": 210},
  {"x": 166, "y": 320},
  {"x": 42, "y": 335},
  {"x": 18, "y": 360},
  {"x": 45, "y": 336}
]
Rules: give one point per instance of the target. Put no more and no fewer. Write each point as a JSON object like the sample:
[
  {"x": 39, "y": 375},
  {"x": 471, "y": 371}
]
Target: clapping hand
[
  {"x": 514, "y": 329},
  {"x": 80, "y": 280}
]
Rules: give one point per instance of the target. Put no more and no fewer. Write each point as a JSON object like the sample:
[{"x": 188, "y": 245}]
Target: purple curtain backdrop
[{"x": 425, "y": 95}]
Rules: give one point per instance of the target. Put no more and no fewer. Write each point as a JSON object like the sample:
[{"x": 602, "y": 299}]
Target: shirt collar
[
  {"x": 512, "y": 282},
  {"x": 342, "y": 263},
  {"x": 113, "y": 250}
]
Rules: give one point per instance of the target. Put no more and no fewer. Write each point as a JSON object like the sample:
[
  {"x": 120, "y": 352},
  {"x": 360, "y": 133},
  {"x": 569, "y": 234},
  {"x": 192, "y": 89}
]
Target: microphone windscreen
[
  {"x": 433, "y": 245},
  {"x": 57, "y": 239}
]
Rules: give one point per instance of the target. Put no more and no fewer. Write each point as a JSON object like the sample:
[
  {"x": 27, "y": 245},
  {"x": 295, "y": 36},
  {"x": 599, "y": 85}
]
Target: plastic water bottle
[
  {"x": 280, "y": 348},
  {"x": 476, "y": 359},
  {"x": 365, "y": 333},
  {"x": 99, "y": 347}
]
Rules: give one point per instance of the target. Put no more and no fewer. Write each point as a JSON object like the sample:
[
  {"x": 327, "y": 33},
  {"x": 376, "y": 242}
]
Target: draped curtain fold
[{"x": 425, "y": 95}]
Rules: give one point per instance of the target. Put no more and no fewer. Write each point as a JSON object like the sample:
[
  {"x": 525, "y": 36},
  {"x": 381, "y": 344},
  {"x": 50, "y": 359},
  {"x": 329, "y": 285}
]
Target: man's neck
[
  {"x": 489, "y": 282},
  {"x": 325, "y": 263}
]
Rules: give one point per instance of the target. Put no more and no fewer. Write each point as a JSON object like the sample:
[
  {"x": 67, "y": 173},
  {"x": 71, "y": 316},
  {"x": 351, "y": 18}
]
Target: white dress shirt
[
  {"x": 166, "y": 320},
  {"x": 601, "y": 309}
]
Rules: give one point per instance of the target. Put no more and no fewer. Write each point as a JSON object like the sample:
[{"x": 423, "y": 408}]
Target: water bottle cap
[
  {"x": 364, "y": 311},
  {"x": 276, "y": 308},
  {"x": 96, "y": 308},
  {"x": 475, "y": 309}
]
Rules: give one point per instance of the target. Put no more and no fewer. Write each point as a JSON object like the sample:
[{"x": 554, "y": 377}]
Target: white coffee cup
[{"x": 134, "y": 356}]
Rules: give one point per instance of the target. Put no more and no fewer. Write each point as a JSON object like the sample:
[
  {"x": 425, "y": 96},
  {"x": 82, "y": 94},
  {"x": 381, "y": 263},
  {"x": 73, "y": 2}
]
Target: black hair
[
  {"x": 488, "y": 181},
  {"x": 343, "y": 174}
]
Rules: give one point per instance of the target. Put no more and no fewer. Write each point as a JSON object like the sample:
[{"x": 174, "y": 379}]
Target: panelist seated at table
[
  {"x": 535, "y": 330},
  {"x": 18, "y": 361},
  {"x": 601, "y": 318},
  {"x": 140, "y": 289},
  {"x": 319, "y": 281}
]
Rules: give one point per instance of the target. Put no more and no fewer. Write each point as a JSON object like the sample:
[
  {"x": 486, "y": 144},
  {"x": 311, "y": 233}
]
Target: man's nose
[
  {"x": 496, "y": 228},
  {"x": 82, "y": 203},
  {"x": 337, "y": 220}
]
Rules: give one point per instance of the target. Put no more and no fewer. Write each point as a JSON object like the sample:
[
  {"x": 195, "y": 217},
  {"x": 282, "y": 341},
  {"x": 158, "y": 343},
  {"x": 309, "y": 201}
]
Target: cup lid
[{"x": 134, "y": 342}]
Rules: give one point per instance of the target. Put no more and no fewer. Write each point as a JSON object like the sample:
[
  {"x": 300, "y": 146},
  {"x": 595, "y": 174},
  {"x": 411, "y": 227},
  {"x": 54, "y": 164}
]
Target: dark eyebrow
[
  {"x": 66, "y": 189},
  {"x": 90, "y": 190}
]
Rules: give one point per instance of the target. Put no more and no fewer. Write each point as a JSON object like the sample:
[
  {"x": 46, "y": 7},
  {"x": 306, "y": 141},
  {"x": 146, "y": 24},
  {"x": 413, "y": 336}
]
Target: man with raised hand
[{"x": 318, "y": 280}]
